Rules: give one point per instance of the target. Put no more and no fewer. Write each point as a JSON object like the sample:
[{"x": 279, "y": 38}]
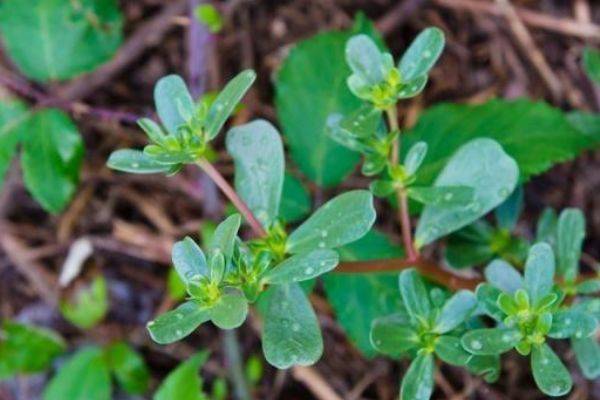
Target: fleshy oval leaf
[{"x": 301, "y": 267}]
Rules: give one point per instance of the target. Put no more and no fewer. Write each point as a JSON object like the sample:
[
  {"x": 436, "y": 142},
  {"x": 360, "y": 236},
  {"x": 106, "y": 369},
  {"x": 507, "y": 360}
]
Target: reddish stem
[
  {"x": 231, "y": 194},
  {"x": 404, "y": 216}
]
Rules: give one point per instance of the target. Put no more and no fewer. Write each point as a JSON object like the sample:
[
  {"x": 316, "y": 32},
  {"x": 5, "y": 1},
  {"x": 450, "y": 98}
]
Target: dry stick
[
  {"x": 530, "y": 49},
  {"x": 315, "y": 383},
  {"x": 565, "y": 26}
]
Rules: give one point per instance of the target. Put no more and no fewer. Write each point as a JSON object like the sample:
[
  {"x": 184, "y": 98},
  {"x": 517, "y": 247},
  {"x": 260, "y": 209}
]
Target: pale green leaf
[
  {"x": 365, "y": 59},
  {"x": 291, "y": 333},
  {"x": 549, "y": 373},
  {"x": 539, "y": 272},
  {"x": 56, "y": 40},
  {"x": 174, "y": 103},
  {"x": 178, "y": 323},
  {"x": 415, "y": 157},
  {"x": 184, "y": 382},
  {"x": 414, "y": 294},
  {"x": 572, "y": 324},
  {"x": 129, "y": 368},
  {"x": 422, "y": 54},
  {"x": 487, "y": 297},
  {"x": 504, "y": 276},
  {"x": 481, "y": 164},
  {"x": 589, "y": 286},
  {"x": 417, "y": 384},
  {"x": 570, "y": 233},
  {"x": 450, "y": 350},
  {"x": 455, "y": 311},
  {"x": 587, "y": 353},
  {"x": 257, "y": 151},
  {"x": 189, "y": 260},
  {"x": 225, "y": 234},
  {"x": 490, "y": 341},
  {"x": 230, "y": 310},
  {"x": 507, "y": 214},
  {"x": 441, "y": 195},
  {"x": 135, "y": 161},
  {"x": 303, "y": 266},
  {"x": 89, "y": 306},
  {"x": 486, "y": 366},
  {"x": 341, "y": 220},
  {"x": 393, "y": 335}
]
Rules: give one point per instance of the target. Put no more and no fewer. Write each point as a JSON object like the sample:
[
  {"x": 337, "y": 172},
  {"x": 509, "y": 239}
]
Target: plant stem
[
  {"x": 403, "y": 215},
  {"x": 231, "y": 194},
  {"x": 234, "y": 361}
]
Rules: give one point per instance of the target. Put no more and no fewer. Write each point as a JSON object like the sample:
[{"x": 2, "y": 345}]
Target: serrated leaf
[
  {"x": 422, "y": 54},
  {"x": 341, "y": 220},
  {"x": 514, "y": 124},
  {"x": 227, "y": 100},
  {"x": 450, "y": 350},
  {"x": 257, "y": 151},
  {"x": 455, "y": 311},
  {"x": 89, "y": 306},
  {"x": 230, "y": 311},
  {"x": 135, "y": 161},
  {"x": 570, "y": 232},
  {"x": 295, "y": 200},
  {"x": 572, "y": 324},
  {"x": 178, "y": 323},
  {"x": 184, "y": 383},
  {"x": 587, "y": 353},
  {"x": 490, "y": 341},
  {"x": 27, "y": 349},
  {"x": 291, "y": 332},
  {"x": 549, "y": 373},
  {"x": 504, "y": 276},
  {"x": 129, "y": 368},
  {"x": 84, "y": 377},
  {"x": 417, "y": 384},
  {"x": 52, "y": 155},
  {"x": 414, "y": 294},
  {"x": 223, "y": 238},
  {"x": 174, "y": 103},
  {"x": 393, "y": 335},
  {"x": 358, "y": 299},
  {"x": 13, "y": 122},
  {"x": 481, "y": 164},
  {"x": 591, "y": 63},
  {"x": 56, "y": 40},
  {"x": 539, "y": 272},
  {"x": 441, "y": 195},
  {"x": 188, "y": 259},
  {"x": 303, "y": 266}
]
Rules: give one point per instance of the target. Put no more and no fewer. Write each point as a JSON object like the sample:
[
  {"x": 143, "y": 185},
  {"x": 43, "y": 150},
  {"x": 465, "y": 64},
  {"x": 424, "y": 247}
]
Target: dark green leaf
[
  {"x": 591, "y": 63},
  {"x": 174, "y": 103},
  {"x": 587, "y": 352},
  {"x": 291, "y": 332},
  {"x": 257, "y": 151},
  {"x": 303, "y": 266},
  {"x": 227, "y": 100},
  {"x": 422, "y": 54},
  {"x": 414, "y": 294},
  {"x": 549, "y": 373},
  {"x": 295, "y": 200},
  {"x": 507, "y": 214},
  {"x": 486, "y": 366},
  {"x": 341, "y": 220},
  {"x": 189, "y": 260},
  {"x": 417, "y": 384},
  {"x": 481, "y": 164},
  {"x": 393, "y": 335},
  {"x": 52, "y": 155},
  {"x": 184, "y": 383},
  {"x": 471, "y": 245},
  {"x": 129, "y": 368},
  {"x": 504, "y": 276},
  {"x": 455, "y": 311},
  {"x": 539, "y": 272},
  {"x": 55, "y": 40},
  {"x": 13, "y": 118},
  {"x": 449, "y": 349},
  {"x": 178, "y": 323},
  {"x": 135, "y": 161},
  {"x": 490, "y": 341},
  {"x": 487, "y": 296},
  {"x": 84, "y": 377}
]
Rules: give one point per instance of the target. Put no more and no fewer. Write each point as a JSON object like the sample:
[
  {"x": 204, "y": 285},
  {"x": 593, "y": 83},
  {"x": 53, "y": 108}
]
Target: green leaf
[
  {"x": 490, "y": 341},
  {"x": 210, "y": 17},
  {"x": 504, "y": 276},
  {"x": 393, "y": 335},
  {"x": 188, "y": 259},
  {"x": 223, "y": 238},
  {"x": 27, "y": 349},
  {"x": 135, "y": 161},
  {"x": 310, "y": 86},
  {"x": 415, "y": 157},
  {"x": 587, "y": 352},
  {"x": 291, "y": 333},
  {"x": 341, "y": 220},
  {"x": 549, "y": 373},
  {"x": 175, "y": 286},
  {"x": 481, "y": 164},
  {"x": 359, "y": 299},
  {"x": 365, "y": 59},
  {"x": 539, "y": 272},
  {"x": 257, "y": 151},
  {"x": 507, "y": 214},
  {"x": 52, "y": 155},
  {"x": 84, "y": 377},
  {"x": 230, "y": 311},
  {"x": 487, "y": 297},
  {"x": 178, "y": 323},
  {"x": 455, "y": 311},
  {"x": 184, "y": 383},
  {"x": 227, "y": 100},
  {"x": 417, "y": 384},
  {"x": 89, "y": 306},
  {"x": 129, "y": 368},
  {"x": 546, "y": 227},
  {"x": 572, "y": 324},
  {"x": 449, "y": 349},
  {"x": 56, "y": 40},
  {"x": 591, "y": 63},
  {"x": 422, "y": 54},
  {"x": 514, "y": 124},
  {"x": 486, "y": 366},
  {"x": 590, "y": 286},
  {"x": 13, "y": 123},
  {"x": 303, "y": 266},
  {"x": 471, "y": 245},
  {"x": 174, "y": 103},
  {"x": 414, "y": 294},
  {"x": 570, "y": 233},
  {"x": 441, "y": 195},
  {"x": 295, "y": 200}
]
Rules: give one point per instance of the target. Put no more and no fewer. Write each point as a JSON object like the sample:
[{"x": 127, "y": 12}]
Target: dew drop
[
  {"x": 322, "y": 263},
  {"x": 503, "y": 192},
  {"x": 321, "y": 244},
  {"x": 578, "y": 334},
  {"x": 178, "y": 332},
  {"x": 135, "y": 165},
  {"x": 403, "y": 93},
  {"x": 545, "y": 361},
  {"x": 476, "y": 345},
  {"x": 556, "y": 389},
  {"x": 426, "y": 54},
  {"x": 309, "y": 270},
  {"x": 413, "y": 88},
  {"x": 568, "y": 321},
  {"x": 179, "y": 316},
  {"x": 296, "y": 327},
  {"x": 324, "y": 233},
  {"x": 219, "y": 107},
  {"x": 506, "y": 338},
  {"x": 150, "y": 323},
  {"x": 448, "y": 196}
]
